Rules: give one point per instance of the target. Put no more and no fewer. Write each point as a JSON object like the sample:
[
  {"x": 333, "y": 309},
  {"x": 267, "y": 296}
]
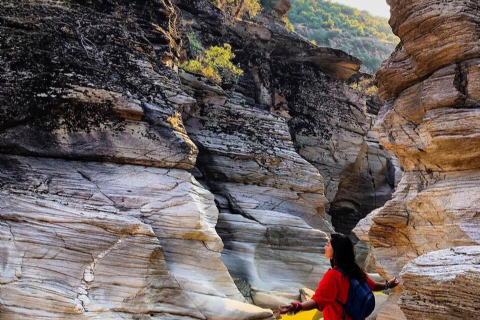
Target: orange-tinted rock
[
  {"x": 446, "y": 279},
  {"x": 431, "y": 123},
  {"x": 434, "y": 34}
]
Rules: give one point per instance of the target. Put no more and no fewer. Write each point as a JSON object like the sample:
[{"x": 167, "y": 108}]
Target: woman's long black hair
[{"x": 344, "y": 256}]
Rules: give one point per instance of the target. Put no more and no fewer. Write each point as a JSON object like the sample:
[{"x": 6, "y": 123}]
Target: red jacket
[{"x": 334, "y": 285}]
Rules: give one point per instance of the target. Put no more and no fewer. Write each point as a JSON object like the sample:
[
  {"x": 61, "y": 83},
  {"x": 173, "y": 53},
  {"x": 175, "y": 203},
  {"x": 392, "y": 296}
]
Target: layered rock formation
[
  {"x": 367, "y": 183},
  {"x": 332, "y": 129},
  {"x": 247, "y": 158},
  {"x": 104, "y": 241},
  {"x": 444, "y": 283},
  {"x": 101, "y": 216},
  {"x": 90, "y": 239},
  {"x": 269, "y": 197},
  {"x": 429, "y": 121}
]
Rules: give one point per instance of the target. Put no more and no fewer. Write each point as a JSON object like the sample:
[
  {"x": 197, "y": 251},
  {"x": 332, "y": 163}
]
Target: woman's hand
[
  {"x": 393, "y": 283},
  {"x": 285, "y": 308},
  {"x": 293, "y": 307}
]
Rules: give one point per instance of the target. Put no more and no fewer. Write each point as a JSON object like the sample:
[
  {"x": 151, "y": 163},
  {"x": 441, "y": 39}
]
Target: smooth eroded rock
[
  {"x": 105, "y": 241},
  {"x": 271, "y": 200}
]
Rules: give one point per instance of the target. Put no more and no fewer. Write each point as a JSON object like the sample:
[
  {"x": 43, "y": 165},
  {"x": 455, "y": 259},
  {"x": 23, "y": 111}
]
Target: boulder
[{"x": 442, "y": 285}]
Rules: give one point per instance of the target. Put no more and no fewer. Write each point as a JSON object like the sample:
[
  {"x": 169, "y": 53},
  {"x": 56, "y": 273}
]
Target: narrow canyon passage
[{"x": 134, "y": 186}]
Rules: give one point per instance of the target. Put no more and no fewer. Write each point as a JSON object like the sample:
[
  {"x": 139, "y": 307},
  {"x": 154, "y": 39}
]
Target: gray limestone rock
[
  {"x": 104, "y": 241},
  {"x": 271, "y": 200}
]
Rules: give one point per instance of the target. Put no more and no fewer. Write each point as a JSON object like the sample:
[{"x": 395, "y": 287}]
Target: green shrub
[
  {"x": 215, "y": 64},
  {"x": 327, "y": 14},
  {"x": 366, "y": 87},
  {"x": 339, "y": 26}
]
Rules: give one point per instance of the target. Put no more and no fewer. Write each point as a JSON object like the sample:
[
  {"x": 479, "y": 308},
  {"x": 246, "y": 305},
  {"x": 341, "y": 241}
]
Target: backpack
[{"x": 360, "y": 301}]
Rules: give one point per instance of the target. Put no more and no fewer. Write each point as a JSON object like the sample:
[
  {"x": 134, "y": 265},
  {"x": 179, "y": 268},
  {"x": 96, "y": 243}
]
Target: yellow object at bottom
[{"x": 304, "y": 315}]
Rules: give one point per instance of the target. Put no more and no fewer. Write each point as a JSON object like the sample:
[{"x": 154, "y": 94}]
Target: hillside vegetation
[{"x": 356, "y": 32}]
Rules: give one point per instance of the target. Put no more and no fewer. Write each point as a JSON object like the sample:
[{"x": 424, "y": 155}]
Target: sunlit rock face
[
  {"x": 106, "y": 241},
  {"x": 446, "y": 279},
  {"x": 429, "y": 122},
  {"x": 455, "y": 26},
  {"x": 99, "y": 218}
]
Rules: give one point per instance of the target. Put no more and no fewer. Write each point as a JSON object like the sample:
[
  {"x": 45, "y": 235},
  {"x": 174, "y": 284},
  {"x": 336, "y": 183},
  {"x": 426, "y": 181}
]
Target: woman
[{"x": 334, "y": 284}]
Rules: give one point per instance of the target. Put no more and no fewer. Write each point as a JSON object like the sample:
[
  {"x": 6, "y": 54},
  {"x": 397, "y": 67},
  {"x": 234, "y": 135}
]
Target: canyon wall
[
  {"x": 100, "y": 218},
  {"x": 429, "y": 121},
  {"x": 290, "y": 90},
  {"x": 132, "y": 190}
]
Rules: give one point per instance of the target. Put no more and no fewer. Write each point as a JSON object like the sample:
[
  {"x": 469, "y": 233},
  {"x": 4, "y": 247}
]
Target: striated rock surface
[
  {"x": 429, "y": 122},
  {"x": 100, "y": 214},
  {"x": 303, "y": 84},
  {"x": 271, "y": 201},
  {"x": 244, "y": 133},
  {"x": 104, "y": 241},
  {"x": 366, "y": 184},
  {"x": 266, "y": 192},
  {"x": 442, "y": 285},
  {"x": 331, "y": 125},
  {"x": 79, "y": 100},
  {"x": 90, "y": 239},
  {"x": 326, "y": 119},
  {"x": 455, "y": 26}
]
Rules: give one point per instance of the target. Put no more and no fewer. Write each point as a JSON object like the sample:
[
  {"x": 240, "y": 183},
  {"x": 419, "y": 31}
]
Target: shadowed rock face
[
  {"x": 257, "y": 144},
  {"x": 303, "y": 84},
  {"x": 429, "y": 122},
  {"x": 332, "y": 129},
  {"x": 270, "y": 199},
  {"x": 68, "y": 88},
  {"x": 366, "y": 184}
]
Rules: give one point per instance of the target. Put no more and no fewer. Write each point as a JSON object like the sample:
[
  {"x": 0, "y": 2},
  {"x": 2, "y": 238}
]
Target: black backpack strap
[
  {"x": 340, "y": 270},
  {"x": 344, "y": 310}
]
